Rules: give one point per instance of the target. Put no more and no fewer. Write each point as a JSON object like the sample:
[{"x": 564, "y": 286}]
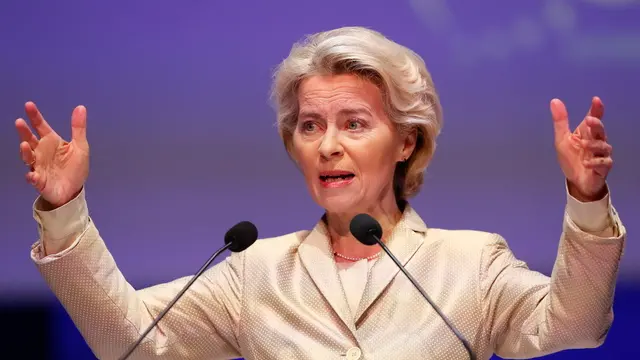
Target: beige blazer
[{"x": 283, "y": 298}]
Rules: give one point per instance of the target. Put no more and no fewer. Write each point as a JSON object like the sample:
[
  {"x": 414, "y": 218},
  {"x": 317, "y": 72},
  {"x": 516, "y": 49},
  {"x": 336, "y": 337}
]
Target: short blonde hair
[{"x": 409, "y": 96}]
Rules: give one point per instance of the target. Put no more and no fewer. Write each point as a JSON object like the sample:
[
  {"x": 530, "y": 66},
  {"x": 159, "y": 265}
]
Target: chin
[{"x": 339, "y": 203}]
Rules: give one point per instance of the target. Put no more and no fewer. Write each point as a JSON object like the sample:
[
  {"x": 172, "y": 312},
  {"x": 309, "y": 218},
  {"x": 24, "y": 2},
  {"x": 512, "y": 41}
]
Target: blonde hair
[{"x": 409, "y": 95}]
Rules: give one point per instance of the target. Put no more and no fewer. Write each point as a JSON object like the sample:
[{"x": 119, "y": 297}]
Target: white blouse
[{"x": 354, "y": 277}]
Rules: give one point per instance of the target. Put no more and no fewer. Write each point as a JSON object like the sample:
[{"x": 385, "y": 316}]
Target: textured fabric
[{"x": 283, "y": 297}]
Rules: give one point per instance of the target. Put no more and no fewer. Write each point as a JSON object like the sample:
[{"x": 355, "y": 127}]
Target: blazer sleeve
[
  {"x": 110, "y": 314},
  {"x": 527, "y": 314}
]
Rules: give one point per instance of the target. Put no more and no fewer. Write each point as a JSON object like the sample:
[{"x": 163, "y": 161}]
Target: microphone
[
  {"x": 237, "y": 239},
  {"x": 368, "y": 231}
]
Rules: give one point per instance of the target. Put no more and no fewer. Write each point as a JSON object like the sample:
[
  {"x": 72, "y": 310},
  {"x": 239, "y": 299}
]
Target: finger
[
  {"x": 596, "y": 128},
  {"x": 37, "y": 120},
  {"x": 597, "y": 108},
  {"x": 560, "y": 119},
  {"x": 598, "y": 163},
  {"x": 25, "y": 133},
  {"x": 36, "y": 180},
  {"x": 598, "y": 148},
  {"x": 600, "y": 166},
  {"x": 79, "y": 125},
  {"x": 26, "y": 153}
]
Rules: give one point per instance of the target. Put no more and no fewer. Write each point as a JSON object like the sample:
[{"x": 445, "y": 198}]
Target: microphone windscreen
[
  {"x": 365, "y": 229},
  {"x": 241, "y": 236}
]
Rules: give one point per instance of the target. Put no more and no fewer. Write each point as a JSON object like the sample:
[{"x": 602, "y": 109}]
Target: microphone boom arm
[
  {"x": 175, "y": 299},
  {"x": 465, "y": 343}
]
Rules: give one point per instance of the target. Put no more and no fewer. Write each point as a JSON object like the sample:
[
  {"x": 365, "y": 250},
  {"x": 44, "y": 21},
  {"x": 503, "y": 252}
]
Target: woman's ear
[{"x": 409, "y": 145}]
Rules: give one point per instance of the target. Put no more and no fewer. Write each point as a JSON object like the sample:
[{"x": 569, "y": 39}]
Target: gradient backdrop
[{"x": 184, "y": 143}]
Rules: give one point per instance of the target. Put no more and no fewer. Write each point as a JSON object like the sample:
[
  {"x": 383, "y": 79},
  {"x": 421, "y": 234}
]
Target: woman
[{"x": 359, "y": 115}]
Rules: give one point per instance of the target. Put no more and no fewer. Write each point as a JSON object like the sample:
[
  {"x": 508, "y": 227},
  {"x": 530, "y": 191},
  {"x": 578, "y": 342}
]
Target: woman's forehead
[{"x": 346, "y": 95}]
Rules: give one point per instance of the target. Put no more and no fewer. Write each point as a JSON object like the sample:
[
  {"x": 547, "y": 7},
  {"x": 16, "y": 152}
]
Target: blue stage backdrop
[{"x": 184, "y": 143}]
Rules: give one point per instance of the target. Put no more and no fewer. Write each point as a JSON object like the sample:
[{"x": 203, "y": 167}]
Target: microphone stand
[
  {"x": 465, "y": 343},
  {"x": 175, "y": 299}
]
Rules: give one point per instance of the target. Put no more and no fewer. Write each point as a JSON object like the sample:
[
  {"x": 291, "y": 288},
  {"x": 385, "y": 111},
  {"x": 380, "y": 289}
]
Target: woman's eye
[
  {"x": 353, "y": 125},
  {"x": 308, "y": 126}
]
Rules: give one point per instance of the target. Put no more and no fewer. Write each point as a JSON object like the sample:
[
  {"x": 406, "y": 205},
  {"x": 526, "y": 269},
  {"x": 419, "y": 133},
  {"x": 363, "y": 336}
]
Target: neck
[{"x": 386, "y": 212}]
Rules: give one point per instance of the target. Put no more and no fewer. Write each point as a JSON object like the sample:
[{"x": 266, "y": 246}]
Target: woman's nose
[{"x": 330, "y": 146}]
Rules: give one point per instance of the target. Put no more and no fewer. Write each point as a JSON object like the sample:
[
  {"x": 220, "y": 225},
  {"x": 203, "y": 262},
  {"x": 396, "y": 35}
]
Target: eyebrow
[{"x": 346, "y": 111}]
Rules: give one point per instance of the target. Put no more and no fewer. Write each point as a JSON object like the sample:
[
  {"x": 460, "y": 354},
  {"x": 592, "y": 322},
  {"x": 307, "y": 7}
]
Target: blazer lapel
[
  {"x": 317, "y": 257},
  {"x": 403, "y": 243}
]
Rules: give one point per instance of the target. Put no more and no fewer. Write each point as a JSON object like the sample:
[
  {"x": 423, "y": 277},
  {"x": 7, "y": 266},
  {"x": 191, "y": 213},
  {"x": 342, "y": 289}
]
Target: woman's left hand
[{"x": 584, "y": 154}]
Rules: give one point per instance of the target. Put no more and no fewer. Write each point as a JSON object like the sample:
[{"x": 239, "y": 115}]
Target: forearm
[
  {"x": 584, "y": 275},
  {"x": 532, "y": 315},
  {"x": 582, "y": 285},
  {"x": 110, "y": 314},
  {"x": 104, "y": 307}
]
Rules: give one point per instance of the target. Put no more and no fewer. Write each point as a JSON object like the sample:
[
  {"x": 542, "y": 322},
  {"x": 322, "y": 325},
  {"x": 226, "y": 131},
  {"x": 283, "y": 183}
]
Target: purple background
[{"x": 183, "y": 136}]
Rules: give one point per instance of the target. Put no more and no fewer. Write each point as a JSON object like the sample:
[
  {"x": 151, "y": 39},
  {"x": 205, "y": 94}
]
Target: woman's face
[{"x": 345, "y": 144}]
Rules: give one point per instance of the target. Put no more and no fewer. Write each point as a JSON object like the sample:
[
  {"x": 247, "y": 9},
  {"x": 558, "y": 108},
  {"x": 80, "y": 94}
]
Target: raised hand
[
  {"x": 57, "y": 169},
  {"x": 584, "y": 154}
]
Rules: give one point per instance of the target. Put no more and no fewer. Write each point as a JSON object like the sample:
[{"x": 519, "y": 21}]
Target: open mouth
[{"x": 336, "y": 177}]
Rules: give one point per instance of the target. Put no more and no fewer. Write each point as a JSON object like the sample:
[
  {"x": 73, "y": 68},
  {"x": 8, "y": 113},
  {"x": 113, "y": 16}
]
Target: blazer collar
[
  {"x": 403, "y": 242},
  {"x": 316, "y": 255}
]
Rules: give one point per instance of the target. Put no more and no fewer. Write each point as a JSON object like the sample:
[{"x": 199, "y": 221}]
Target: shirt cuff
[
  {"x": 593, "y": 216},
  {"x": 56, "y": 226}
]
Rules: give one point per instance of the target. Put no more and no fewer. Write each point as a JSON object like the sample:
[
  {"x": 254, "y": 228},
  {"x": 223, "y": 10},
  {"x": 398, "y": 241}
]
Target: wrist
[
  {"x": 575, "y": 192},
  {"x": 46, "y": 205}
]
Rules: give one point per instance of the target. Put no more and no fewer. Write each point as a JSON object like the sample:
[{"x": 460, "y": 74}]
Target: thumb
[
  {"x": 560, "y": 119},
  {"x": 79, "y": 125},
  {"x": 597, "y": 108}
]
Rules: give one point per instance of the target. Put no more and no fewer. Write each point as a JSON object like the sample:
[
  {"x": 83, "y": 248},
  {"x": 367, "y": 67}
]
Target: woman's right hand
[{"x": 58, "y": 169}]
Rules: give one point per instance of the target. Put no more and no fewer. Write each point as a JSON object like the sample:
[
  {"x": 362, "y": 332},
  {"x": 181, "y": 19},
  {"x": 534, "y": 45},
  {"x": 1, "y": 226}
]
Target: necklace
[{"x": 356, "y": 259}]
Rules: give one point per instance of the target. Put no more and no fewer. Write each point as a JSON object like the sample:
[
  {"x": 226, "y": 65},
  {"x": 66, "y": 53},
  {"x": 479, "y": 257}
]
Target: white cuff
[
  {"x": 593, "y": 216},
  {"x": 56, "y": 226}
]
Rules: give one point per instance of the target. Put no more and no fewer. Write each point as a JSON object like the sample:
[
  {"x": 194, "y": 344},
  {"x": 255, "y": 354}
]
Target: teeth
[{"x": 336, "y": 177}]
